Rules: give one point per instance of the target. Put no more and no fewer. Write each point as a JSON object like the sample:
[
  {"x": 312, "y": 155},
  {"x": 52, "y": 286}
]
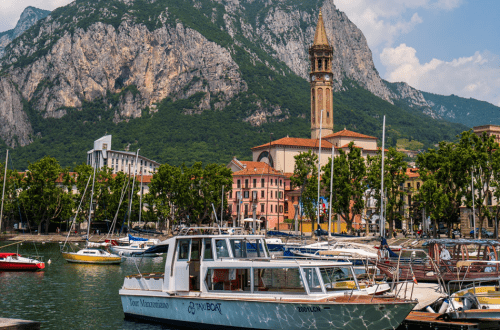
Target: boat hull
[
  {"x": 89, "y": 259},
  {"x": 270, "y": 314},
  {"x": 22, "y": 266}
]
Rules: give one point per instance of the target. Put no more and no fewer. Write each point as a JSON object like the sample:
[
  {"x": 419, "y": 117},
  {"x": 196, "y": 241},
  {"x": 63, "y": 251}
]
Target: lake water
[{"x": 69, "y": 296}]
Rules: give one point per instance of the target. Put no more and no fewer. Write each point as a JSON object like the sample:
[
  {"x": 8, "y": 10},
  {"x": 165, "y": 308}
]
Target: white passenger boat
[{"x": 215, "y": 281}]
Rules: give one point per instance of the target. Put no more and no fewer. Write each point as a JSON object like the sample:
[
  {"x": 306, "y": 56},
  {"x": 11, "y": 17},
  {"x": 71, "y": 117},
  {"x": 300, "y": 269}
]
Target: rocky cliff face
[
  {"x": 15, "y": 127},
  {"x": 28, "y": 18},
  {"x": 88, "y": 64}
]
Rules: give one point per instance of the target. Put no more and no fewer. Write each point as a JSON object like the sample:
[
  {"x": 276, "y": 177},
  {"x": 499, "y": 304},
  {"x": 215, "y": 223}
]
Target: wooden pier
[
  {"x": 422, "y": 320},
  {"x": 13, "y": 324}
]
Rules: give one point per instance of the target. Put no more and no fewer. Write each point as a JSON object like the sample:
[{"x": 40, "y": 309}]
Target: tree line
[
  {"x": 448, "y": 173},
  {"x": 47, "y": 196}
]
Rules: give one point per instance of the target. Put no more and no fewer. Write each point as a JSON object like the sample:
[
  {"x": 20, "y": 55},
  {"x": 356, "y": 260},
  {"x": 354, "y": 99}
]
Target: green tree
[
  {"x": 161, "y": 189},
  {"x": 442, "y": 173},
  {"x": 305, "y": 177},
  {"x": 197, "y": 188},
  {"x": 348, "y": 184},
  {"x": 480, "y": 155},
  {"x": 394, "y": 178},
  {"x": 44, "y": 193}
]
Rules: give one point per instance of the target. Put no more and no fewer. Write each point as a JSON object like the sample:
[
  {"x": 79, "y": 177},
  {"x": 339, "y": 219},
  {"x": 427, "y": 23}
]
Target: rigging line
[
  {"x": 113, "y": 225},
  {"x": 77, "y": 211}
]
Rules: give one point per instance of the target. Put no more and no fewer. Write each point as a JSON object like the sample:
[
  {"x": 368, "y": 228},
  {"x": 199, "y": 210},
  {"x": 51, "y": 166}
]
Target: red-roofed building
[
  {"x": 256, "y": 184},
  {"x": 283, "y": 151}
]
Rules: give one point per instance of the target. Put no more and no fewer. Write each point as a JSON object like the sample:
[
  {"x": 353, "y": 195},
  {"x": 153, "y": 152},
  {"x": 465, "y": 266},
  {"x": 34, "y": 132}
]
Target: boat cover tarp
[
  {"x": 139, "y": 239},
  {"x": 385, "y": 246},
  {"x": 157, "y": 249},
  {"x": 5, "y": 255},
  {"x": 279, "y": 234}
]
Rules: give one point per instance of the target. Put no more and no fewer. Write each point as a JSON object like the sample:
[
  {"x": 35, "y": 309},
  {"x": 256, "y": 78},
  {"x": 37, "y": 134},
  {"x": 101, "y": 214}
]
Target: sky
[{"x": 438, "y": 46}]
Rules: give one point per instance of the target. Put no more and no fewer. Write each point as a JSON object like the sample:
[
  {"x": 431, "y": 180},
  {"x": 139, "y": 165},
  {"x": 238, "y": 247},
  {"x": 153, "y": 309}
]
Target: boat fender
[
  {"x": 444, "y": 306},
  {"x": 49, "y": 262},
  {"x": 429, "y": 309}
]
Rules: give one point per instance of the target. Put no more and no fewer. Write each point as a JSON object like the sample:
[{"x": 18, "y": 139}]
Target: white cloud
[
  {"x": 477, "y": 76},
  {"x": 382, "y": 21},
  {"x": 10, "y": 10}
]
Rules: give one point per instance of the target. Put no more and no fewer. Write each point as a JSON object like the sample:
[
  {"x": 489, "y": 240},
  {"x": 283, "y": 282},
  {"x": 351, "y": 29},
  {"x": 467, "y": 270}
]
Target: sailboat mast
[
  {"x": 3, "y": 190},
  {"x": 91, "y": 201},
  {"x": 132, "y": 192},
  {"x": 140, "y": 202},
  {"x": 381, "y": 215}
]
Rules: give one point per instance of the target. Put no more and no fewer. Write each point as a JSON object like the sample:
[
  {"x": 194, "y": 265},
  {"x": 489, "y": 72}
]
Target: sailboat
[{"x": 90, "y": 255}]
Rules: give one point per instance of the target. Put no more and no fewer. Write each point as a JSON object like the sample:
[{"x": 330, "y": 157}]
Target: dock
[
  {"x": 423, "y": 320},
  {"x": 13, "y": 324}
]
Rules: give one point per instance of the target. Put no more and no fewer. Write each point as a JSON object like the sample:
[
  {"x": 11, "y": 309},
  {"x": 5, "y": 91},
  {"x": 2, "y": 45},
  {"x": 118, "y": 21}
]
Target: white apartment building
[{"x": 119, "y": 161}]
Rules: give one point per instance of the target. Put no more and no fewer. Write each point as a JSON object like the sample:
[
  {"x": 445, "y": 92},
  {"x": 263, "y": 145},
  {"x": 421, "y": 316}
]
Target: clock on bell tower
[{"x": 321, "y": 55}]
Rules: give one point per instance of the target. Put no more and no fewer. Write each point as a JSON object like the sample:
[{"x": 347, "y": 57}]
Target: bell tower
[{"x": 321, "y": 55}]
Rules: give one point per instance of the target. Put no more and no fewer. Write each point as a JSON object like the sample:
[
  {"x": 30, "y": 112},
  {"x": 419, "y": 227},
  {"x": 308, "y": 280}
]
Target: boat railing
[
  {"x": 200, "y": 231},
  {"x": 397, "y": 291}
]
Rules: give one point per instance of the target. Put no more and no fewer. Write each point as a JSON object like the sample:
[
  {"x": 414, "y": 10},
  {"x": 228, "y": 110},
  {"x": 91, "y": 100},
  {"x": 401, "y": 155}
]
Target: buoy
[
  {"x": 49, "y": 262},
  {"x": 429, "y": 309},
  {"x": 444, "y": 306}
]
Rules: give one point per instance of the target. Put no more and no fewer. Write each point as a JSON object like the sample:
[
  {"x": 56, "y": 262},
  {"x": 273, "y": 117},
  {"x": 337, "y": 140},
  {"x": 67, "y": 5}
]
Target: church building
[{"x": 278, "y": 156}]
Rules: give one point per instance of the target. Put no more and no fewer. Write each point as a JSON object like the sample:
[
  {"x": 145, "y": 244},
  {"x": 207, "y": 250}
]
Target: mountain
[
  {"x": 189, "y": 80},
  {"x": 28, "y": 18},
  {"x": 470, "y": 112}
]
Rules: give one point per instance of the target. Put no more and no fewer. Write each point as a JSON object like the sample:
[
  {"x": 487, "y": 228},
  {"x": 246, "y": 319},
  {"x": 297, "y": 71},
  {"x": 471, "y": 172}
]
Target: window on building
[
  {"x": 281, "y": 182},
  {"x": 238, "y": 195},
  {"x": 255, "y": 183},
  {"x": 262, "y": 208},
  {"x": 271, "y": 194},
  {"x": 262, "y": 194},
  {"x": 281, "y": 208},
  {"x": 246, "y": 194},
  {"x": 262, "y": 183},
  {"x": 238, "y": 184},
  {"x": 418, "y": 185},
  {"x": 490, "y": 200},
  {"x": 271, "y": 208},
  {"x": 246, "y": 183},
  {"x": 293, "y": 199},
  {"x": 275, "y": 182},
  {"x": 230, "y": 195},
  {"x": 286, "y": 207}
]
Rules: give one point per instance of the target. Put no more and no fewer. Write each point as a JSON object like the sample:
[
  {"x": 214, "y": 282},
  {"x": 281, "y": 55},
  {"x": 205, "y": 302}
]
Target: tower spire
[{"x": 320, "y": 38}]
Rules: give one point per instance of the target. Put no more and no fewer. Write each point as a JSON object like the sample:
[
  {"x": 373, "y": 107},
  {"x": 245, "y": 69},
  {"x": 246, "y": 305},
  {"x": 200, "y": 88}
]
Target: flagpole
[
  {"x": 319, "y": 165},
  {"x": 381, "y": 216}
]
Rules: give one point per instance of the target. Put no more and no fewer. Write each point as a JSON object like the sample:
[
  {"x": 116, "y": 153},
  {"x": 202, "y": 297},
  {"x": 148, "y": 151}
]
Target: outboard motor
[{"x": 470, "y": 302}]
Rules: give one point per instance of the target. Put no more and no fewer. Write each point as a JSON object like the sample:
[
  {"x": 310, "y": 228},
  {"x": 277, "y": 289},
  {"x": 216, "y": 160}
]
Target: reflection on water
[{"x": 69, "y": 296}]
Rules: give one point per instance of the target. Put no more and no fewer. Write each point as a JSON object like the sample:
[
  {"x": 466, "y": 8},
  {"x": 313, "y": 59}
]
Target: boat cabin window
[
  {"x": 239, "y": 248},
  {"x": 228, "y": 279},
  {"x": 312, "y": 280},
  {"x": 183, "y": 249},
  {"x": 195, "y": 249},
  {"x": 283, "y": 280},
  {"x": 221, "y": 248},
  {"x": 247, "y": 248},
  {"x": 338, "y": 278},
  {"x": 208, "y": 253}
]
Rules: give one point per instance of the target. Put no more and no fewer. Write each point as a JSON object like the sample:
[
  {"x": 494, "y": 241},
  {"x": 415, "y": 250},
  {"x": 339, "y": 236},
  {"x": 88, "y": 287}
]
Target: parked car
[{"x": 484, "y": 233}]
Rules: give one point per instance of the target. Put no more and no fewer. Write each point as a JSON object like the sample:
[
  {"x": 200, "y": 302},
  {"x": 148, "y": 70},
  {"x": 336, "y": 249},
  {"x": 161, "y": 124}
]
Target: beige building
[
  {"x": 280, "y": 153},
  {"x": 119, "y": 161},
  {"x": 491, "y": 130}
]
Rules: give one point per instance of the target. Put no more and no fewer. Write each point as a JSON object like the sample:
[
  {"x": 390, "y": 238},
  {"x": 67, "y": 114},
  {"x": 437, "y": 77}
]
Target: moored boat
[
  {"x": 446, "y": 259},
  {"x": 15, "y": 262},
  {"x": 92, "y": 256},
  {"x": 214, "y": 281}
]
